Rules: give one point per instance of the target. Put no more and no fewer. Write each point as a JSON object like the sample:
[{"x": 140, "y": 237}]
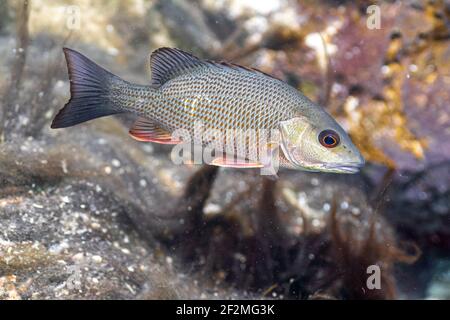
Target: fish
[{"x": 249, "y": 118}]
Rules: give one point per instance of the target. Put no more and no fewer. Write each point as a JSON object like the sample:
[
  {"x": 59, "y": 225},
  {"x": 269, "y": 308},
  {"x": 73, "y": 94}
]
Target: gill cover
[{"x": 292, "y": 132}]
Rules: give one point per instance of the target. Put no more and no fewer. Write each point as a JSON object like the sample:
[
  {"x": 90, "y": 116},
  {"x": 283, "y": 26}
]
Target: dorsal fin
[
  {"x": 168, "y": 63},
  {"x": 226, "y": 64}
]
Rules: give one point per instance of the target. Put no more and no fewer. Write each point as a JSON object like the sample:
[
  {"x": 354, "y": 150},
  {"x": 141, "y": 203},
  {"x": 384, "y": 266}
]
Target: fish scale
[{"x": 216, "y": 96}]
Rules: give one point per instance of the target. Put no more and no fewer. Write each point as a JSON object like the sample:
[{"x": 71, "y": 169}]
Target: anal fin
[{"x": 146, "y": 130}]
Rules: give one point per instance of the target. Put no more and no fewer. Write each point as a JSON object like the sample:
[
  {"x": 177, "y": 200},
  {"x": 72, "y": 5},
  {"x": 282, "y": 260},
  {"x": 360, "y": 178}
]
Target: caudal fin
[{"x": 89, "y": 92}]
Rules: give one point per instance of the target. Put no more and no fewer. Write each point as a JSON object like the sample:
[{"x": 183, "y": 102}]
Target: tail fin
[{"x": 89, "y": 91}]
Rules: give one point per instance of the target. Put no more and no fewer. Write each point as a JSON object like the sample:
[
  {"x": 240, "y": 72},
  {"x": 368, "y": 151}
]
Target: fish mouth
[{"x": 350, "y": 167}]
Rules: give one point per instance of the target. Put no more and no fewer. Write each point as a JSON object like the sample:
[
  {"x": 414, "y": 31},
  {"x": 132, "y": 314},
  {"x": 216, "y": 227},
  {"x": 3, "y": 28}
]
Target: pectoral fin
[
  {"x": 146, "y": 130},
  {"x": 271, "y": 160}
]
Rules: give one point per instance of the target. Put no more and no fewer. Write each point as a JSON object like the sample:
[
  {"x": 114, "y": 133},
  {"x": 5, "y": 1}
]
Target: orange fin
[
  {"x": 231, "y": 162},
  {"x": 145, "y": 130}
]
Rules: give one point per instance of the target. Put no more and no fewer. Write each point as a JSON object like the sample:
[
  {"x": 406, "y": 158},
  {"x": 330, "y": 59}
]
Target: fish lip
[{"x": 349, "y": 167}]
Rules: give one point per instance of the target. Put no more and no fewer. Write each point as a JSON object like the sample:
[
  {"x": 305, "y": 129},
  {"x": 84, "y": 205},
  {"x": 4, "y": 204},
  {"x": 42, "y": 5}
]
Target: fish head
[{"x": 319, "y": 143}]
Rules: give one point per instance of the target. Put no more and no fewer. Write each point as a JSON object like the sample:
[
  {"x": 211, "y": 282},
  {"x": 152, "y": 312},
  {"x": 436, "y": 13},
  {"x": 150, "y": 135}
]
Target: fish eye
[{"x": 329, "y": 138}]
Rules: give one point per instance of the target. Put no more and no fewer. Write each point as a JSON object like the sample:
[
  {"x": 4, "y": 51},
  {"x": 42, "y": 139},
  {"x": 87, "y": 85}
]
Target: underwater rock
[
  {"x": 77, "y": 219},
  {"x": 418, "y": 203}
]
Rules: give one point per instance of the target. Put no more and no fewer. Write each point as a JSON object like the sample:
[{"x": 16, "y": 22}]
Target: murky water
[{"x": 101, "y": 215}]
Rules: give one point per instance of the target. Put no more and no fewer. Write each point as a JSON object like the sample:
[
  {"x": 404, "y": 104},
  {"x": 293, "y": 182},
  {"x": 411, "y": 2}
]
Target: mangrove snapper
[{"x": 250, "y": 119}]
